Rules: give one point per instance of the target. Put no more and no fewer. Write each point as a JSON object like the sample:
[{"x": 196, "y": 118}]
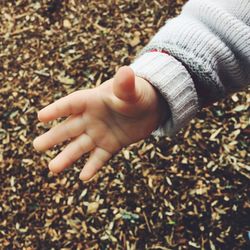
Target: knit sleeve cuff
[{"x": 175, "y": 84}]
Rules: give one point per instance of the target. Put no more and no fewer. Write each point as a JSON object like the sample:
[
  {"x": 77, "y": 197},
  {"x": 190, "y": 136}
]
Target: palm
[{"x": 98, "y": 122}]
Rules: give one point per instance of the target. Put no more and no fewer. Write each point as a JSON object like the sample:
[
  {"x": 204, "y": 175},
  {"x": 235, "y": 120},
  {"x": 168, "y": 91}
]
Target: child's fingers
[
  {"x": 68, "y": 105},
  {"x": 69, "y": 128},
  {"x": 72, "y": 152},
  {"x": 96, "y": 160}
]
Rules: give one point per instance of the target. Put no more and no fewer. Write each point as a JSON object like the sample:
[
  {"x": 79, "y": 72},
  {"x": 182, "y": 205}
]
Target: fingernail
[
  {"x": 35, "y": 144},
  {"x": 52, "y": 167},
  {"x": 83, "y": 178},
  {"x": 38, "y": 146}
]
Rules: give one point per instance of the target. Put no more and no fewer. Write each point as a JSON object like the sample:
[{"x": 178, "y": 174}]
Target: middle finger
[{"x": 69, "y": 128}]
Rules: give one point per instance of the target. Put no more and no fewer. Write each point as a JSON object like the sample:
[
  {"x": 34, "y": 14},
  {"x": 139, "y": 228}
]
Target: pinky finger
[
  {"x": 72, "y": 152},
  {"x": 96, "y": 160}
]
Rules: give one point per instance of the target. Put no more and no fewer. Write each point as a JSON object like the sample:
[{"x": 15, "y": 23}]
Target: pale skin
[{"x": 101, "y": 121}]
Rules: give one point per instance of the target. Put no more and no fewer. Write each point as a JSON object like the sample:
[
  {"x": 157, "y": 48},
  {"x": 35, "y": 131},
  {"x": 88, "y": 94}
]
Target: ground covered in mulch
[{"x": 191, "y": 192}]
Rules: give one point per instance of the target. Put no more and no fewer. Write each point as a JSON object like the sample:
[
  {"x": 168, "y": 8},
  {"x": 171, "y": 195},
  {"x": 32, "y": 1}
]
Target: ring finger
[{"x": 72, "y": 152}]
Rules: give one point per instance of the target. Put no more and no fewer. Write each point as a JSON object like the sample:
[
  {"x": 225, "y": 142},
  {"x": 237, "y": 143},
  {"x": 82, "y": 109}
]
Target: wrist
[{"x": 174, "y": 83}]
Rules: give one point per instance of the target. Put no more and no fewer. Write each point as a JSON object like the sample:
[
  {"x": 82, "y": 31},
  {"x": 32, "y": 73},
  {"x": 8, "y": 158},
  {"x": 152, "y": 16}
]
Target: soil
[{"x": 188, "y": 192}]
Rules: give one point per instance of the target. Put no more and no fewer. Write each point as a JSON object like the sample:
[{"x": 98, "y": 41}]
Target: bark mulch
[{"x": 191, "y": 192}]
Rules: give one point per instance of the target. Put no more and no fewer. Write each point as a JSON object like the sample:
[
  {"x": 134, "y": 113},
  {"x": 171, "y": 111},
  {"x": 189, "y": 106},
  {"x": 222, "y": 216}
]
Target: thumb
[{"x": 124, "y": 84}]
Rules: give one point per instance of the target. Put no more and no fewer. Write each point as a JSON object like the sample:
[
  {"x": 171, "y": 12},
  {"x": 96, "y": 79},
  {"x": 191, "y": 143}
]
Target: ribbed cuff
[{"x": 174, "y": 82}]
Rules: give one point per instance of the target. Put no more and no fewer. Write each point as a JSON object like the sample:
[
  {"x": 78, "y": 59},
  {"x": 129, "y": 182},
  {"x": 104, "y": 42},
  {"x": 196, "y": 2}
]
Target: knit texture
[
  {"x": 173, "y": 81},
  {"x": 211, "y": 38}
]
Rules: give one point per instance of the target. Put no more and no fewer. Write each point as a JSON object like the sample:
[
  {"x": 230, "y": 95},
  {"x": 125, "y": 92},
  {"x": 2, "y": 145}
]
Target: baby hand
[{"x": 101, "y": 121}]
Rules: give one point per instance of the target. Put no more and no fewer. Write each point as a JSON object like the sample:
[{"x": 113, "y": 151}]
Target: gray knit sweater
[{"x": 208, "y": 48}]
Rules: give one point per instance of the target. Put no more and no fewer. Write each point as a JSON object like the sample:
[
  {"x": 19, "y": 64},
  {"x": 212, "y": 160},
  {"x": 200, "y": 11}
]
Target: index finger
[{"x": 71, "y": 104}]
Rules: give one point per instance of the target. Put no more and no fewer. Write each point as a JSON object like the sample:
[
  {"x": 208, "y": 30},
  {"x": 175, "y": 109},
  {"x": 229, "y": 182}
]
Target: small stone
[
  {"x": 67, "y": 24},
  {"x": 92, "y": 207}
]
